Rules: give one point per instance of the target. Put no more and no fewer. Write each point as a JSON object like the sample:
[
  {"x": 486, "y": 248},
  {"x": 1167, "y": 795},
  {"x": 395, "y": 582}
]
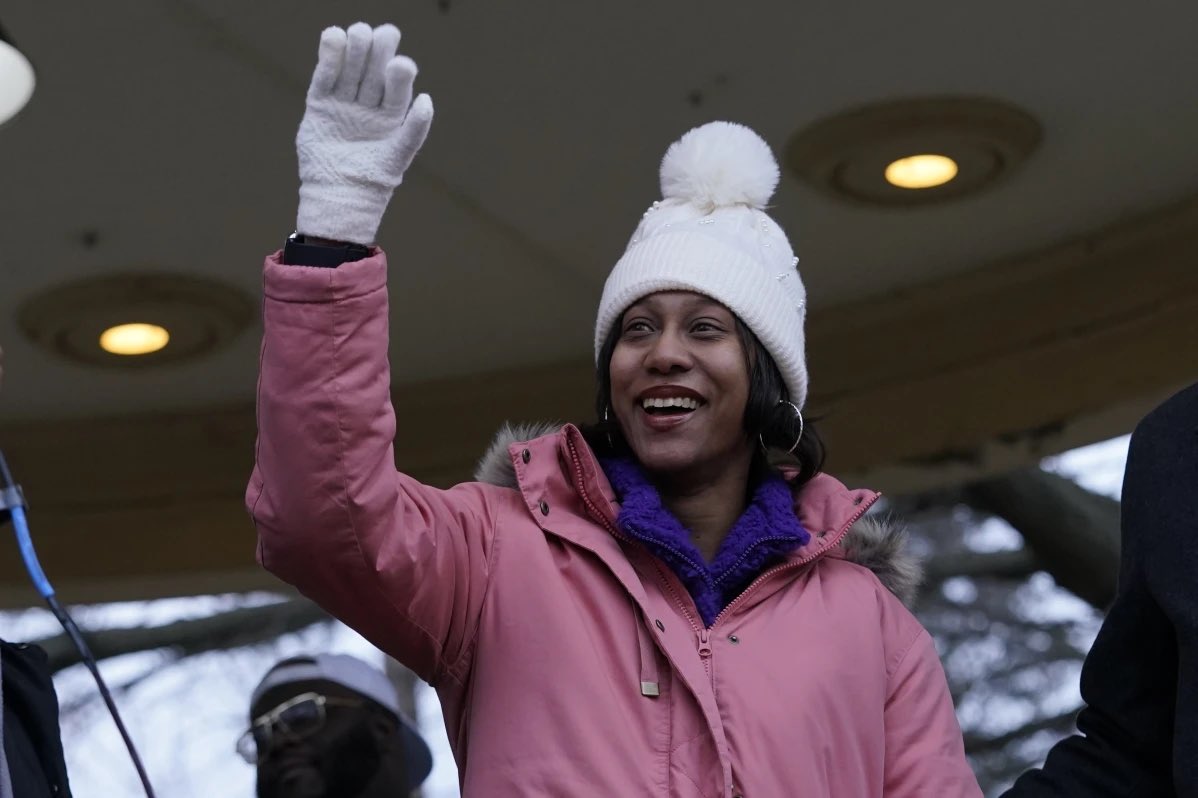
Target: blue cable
[
  {"x": 25, "y": 544},
  {"x": 12, "y": 505}
]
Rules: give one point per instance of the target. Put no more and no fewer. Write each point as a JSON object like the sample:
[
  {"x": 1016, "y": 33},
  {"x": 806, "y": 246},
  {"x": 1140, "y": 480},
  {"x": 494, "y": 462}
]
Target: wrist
[
  {"x": 301, "y": 250},
  {"x": 324, "y": 242}
]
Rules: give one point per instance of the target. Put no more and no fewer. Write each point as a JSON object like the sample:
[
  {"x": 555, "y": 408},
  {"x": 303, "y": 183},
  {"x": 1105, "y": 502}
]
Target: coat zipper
[
  {"x": 602, "y": 518},
  {"x": 681, "y": 555},
  {"x": 732, "y": 568},
  {"x": 795, "y": 564},
  {"x": 580, "y": 486}
]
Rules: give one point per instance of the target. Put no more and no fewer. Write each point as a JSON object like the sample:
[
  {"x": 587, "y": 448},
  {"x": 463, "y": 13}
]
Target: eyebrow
[{"x": 693, "y": 304}]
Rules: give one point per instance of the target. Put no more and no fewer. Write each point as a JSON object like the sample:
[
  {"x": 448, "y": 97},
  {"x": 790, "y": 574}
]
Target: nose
[{"x": 669, "y": 354}]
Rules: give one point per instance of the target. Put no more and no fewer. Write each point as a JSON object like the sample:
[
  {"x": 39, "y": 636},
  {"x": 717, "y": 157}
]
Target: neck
[{"x": 710, "y": 502}]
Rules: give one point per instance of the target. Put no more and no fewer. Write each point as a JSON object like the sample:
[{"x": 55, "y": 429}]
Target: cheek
[
  {"x": 620, "y": 371},
  {"x": 733, "y": 375}
]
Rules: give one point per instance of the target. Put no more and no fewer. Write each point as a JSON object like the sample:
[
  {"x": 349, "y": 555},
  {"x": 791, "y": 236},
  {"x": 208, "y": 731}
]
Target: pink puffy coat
[{"x": 568, "y": 660}]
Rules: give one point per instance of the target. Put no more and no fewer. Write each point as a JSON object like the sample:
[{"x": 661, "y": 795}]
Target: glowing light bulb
[
  {"x": 921, "y": 171},
  {"x": 134, "y": 339}
]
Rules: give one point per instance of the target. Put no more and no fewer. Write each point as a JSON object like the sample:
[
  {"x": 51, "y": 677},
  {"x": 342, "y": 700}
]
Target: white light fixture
[
  {"x": 914, "y": 151},
  {"x": 921, "y": 171},
  {"x": 139, "y": 320},
  {"x": 134, "y": 339},
  {"x": 17, "y": 79}
]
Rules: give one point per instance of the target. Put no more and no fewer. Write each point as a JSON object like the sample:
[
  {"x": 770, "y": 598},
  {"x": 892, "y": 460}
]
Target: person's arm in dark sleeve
[{"x": 1129, "y": 681}]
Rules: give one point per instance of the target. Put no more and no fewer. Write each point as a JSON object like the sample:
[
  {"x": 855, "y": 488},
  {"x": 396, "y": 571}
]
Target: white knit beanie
[{"x": 710, "y": 234}]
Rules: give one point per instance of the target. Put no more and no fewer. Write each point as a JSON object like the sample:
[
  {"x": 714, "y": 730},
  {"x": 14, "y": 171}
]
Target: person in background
[
  {"x": 330, "y": 726},
  {"x": 1138, "y": 732}
]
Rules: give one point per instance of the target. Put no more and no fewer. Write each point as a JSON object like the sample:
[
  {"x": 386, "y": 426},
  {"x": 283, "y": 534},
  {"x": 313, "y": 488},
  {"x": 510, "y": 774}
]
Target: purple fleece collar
[{"x": 767, "y": 530}]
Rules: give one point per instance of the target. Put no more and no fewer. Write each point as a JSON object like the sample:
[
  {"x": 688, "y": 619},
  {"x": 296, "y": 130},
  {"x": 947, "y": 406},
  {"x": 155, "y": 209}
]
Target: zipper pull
[{"x": 704, "y": 645}]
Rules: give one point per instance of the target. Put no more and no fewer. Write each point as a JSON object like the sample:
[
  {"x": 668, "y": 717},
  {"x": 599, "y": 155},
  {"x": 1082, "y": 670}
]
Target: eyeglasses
[{"x": 294, "y": 719}]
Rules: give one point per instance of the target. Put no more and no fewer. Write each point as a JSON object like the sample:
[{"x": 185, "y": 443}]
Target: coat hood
[{"x": 875, "y": 542}]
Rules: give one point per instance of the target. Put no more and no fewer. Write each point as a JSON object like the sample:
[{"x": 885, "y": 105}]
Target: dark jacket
[
  {"x": 1139, "y": 729},
  {"x": 33, "y": 764}
]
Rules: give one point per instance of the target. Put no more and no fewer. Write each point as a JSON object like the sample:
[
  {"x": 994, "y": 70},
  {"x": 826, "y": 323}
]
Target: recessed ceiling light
[
  {"x": 946, "y": 147},
  {"x": 178, "y": 318},
  {"x": 134, "y": 339},
  {"x": 17, "y": 79},
  {"x": 921, "y": 171}
]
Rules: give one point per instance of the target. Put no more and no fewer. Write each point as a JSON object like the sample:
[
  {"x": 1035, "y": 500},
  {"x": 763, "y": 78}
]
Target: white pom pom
[{"x": 718, "y": 164}]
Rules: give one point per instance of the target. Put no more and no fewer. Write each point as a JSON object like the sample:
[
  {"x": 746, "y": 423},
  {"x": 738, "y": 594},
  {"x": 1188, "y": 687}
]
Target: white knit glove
[{"x": 359, "y": 134}]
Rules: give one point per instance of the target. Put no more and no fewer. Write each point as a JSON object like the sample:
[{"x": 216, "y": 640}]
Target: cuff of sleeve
[{"x": 286, "y": 283}]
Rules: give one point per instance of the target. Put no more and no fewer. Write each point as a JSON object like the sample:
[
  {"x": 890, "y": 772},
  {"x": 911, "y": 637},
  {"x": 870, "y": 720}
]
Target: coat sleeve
[
  {"x": 1129, "y": 680},
  {"x": 405, "y": 564},
  {"x": 925, "y": 753}
]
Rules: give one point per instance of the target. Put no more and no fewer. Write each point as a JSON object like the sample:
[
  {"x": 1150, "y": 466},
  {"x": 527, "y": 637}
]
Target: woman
[{"x": 647, "y": 608}]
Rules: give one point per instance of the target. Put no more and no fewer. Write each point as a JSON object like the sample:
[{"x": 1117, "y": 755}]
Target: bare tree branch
[
  {"x": 240, "y": 627},
  {"x": 1073, "y": 532},
  {"x": 1001, "y": 564},
  {"x": 90, "y": 698},
  {"x": 975, "y": 744},
  {"x": 997, "y": 681}
]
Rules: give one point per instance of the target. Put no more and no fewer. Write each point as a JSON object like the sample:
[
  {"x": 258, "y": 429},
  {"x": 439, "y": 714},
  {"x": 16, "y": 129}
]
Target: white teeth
[{"x": 674, "y": 401}]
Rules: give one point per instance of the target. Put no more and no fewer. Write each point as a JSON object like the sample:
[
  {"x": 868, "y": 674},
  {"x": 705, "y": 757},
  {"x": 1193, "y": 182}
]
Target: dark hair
[{"x": 767, "y": 416}]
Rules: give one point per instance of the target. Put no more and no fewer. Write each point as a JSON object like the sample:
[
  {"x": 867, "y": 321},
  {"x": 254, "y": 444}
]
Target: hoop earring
[
  {"x": 610, "y": 443},
  {"x": 798, "y": 413}
]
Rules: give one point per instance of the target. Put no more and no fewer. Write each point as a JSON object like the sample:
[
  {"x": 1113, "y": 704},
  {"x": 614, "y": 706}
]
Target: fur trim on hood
[
  {"x": 879, "y": 543},
  {"x": 495, "y": 466},
  {"x": 874, "y": 542}
]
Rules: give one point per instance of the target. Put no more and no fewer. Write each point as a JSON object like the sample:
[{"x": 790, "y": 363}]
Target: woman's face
[{"x": 680, "y": 382}]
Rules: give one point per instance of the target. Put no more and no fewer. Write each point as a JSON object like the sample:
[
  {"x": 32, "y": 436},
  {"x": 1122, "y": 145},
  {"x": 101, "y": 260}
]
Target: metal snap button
[
  {"x": 733, "y": 639},
  {"x": 544, "y": 507},
  {"x": 526, "y": 455},
  {"x": 661, "y": 627}
]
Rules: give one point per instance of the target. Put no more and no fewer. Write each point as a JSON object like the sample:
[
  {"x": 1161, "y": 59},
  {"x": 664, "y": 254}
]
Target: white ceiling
[{"x": 166, "y": 128}]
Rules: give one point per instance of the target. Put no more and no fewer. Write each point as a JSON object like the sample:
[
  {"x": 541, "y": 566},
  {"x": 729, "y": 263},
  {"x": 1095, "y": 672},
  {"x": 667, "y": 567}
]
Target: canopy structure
[{"x": 1047, "y": 307}]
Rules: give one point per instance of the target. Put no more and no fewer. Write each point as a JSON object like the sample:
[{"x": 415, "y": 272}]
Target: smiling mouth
[{"x": 671, "y": 406}]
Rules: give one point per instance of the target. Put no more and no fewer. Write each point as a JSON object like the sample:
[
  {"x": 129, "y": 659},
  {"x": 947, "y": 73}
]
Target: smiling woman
[{"x": 671, "y": 601}]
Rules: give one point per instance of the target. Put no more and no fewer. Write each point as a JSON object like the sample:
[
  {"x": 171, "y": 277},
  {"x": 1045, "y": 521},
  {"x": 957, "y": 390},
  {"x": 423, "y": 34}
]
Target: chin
[{"x": 665, "y": 459}]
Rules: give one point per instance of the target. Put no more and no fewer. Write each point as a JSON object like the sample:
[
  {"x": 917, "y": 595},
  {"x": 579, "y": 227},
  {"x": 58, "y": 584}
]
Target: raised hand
[{"x": 360, "y": 132}]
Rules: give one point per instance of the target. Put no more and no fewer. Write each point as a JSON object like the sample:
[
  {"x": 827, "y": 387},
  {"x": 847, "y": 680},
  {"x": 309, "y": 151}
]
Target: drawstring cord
[{"x": 650, "y": 687}]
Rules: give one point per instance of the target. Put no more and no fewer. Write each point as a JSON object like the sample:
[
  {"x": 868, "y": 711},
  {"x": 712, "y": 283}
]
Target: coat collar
[{"x": 555, "y": 471}]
